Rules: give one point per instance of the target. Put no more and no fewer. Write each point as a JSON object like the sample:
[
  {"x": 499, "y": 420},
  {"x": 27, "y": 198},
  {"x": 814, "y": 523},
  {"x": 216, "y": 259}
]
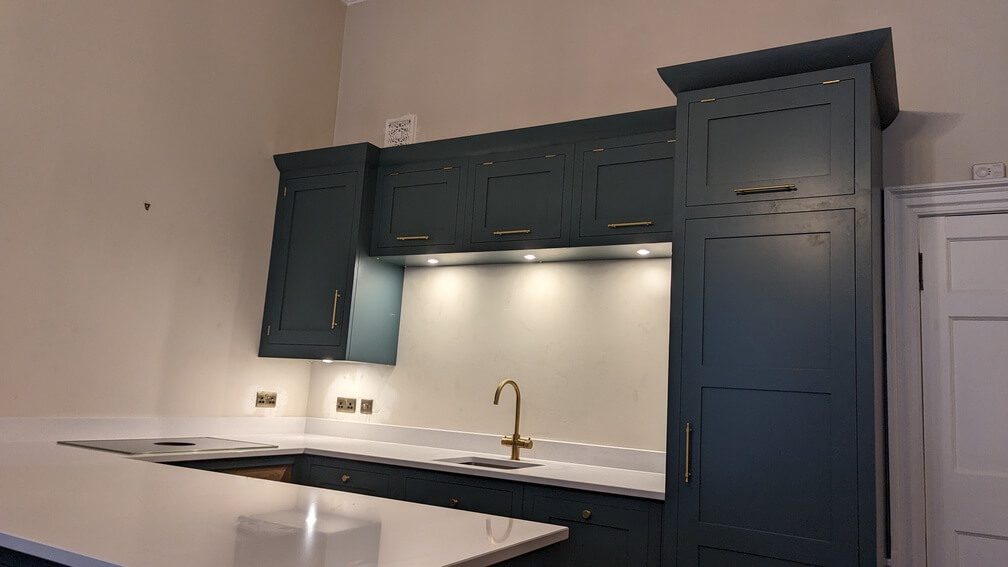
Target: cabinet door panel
[
  {"x": 769, "y": 388},
  {"x": 462, "y": 495},
  {"x": 417, "y": 208},
  {"x": 312, "y": 263},
  {"x": 626, "y": 186},
  {"x": 601, "y": 534},
  {"x": 784, "y": 144},
  {"x": 520, "y": 196},
  {"x": 353, "y": 477}
]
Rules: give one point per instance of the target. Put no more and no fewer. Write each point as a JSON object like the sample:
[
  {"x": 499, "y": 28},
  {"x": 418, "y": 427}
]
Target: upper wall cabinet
[
  {"x": 787, "y": 143},
  {"x": 521, "y": 196},
  {"x": 325, "y": 298},
  {"x": 417, "y": 208},
  {"x": 624, "y": 188}
]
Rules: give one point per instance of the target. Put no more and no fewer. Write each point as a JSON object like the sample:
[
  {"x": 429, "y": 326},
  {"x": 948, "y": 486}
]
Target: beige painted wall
[
  {"x": 471, "y": 66},
  {"x": 587, "y": 342},
  {"x": 108, "y": 309}
]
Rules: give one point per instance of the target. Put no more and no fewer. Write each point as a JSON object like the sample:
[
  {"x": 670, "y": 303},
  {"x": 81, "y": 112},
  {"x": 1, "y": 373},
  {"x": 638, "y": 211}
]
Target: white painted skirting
[{"x": 904, "y": 207}]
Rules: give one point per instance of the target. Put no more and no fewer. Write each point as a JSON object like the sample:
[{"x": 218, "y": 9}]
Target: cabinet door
[
  {"x": 768, "y": 389},
  {"x": 417, "y": 208},
  {"x": 520, "y": 196},
  {"x": 625, "y": 187},
  {"x": 351, "y": 476},
  {"x": 601, "y": 532},
  {"x": 783, "y": 144},
  {"x": 312, "y": 262},
  {"x": 472, "y": 494}
]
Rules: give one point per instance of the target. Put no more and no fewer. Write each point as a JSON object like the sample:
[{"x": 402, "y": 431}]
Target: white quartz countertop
[
  {"x": 84, "y": 507},
  {"x": 625, "y": 482}
]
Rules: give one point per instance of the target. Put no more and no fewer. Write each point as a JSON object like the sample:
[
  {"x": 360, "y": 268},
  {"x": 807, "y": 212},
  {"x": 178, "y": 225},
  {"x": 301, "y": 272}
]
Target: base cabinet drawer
[
  {"x": 351, "y": 477},
  {"x": 604, "y": 531},
  {"x": 469, "y": 494}
]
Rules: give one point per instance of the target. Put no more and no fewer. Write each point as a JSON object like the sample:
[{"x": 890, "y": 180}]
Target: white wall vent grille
[{"x": 400, "y": 131}]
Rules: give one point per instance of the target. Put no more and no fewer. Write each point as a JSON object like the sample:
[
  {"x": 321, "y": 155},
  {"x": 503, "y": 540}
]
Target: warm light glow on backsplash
[{"x": 587, "y": 341}]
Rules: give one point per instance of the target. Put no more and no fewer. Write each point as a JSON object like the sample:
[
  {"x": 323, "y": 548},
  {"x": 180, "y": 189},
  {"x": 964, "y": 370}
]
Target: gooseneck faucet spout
[{"x": 515, "y": 440}]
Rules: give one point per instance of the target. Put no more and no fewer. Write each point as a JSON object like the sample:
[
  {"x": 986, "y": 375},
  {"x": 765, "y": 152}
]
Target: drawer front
[
  {"x": 520, "y": 196},
  {"x": 783, "y": 144},
  {"x": 463, "y": 496},
  {"x": 417, "y": 208},
  {"x": 626, "y": 188},
  {"x": 600, "y": 533},
  {"x": 353, "y": 478}
]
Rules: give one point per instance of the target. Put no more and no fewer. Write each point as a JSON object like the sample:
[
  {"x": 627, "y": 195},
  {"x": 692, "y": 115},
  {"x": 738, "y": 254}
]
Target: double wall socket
[
  {"x": 265, "y": 399},
  {"x": 347, "y": 405}
]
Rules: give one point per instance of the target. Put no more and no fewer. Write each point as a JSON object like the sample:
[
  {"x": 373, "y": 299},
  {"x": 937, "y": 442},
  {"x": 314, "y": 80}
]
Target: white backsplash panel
[{"x": 587, "y": 342}]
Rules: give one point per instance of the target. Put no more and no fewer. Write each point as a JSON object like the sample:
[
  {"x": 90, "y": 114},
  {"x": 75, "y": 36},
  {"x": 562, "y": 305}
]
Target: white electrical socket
[{"x": 989, "y": 171}]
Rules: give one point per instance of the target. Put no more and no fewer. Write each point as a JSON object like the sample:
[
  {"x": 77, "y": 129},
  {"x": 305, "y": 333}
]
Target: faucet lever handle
[{"x": 523, "y": 442}]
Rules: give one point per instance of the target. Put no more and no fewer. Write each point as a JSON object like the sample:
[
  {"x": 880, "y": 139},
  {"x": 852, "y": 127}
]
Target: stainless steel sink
[{"x": 489, "y": 463}]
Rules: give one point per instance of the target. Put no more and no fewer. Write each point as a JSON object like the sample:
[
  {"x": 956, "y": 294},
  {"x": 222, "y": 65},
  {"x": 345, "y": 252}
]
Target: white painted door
[{"x": 964, "y": 319}]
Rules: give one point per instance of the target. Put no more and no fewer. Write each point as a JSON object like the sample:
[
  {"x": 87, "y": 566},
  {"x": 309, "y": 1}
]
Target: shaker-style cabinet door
[
  {"x": 312, "y": 263},
  {"x": 624, "y": 189},
  {"x": 521, "y": 196},
  {"x": 417, "y": 208},
  {"x": 782, "y": 144},
  {"x": 768, "y": 413}
]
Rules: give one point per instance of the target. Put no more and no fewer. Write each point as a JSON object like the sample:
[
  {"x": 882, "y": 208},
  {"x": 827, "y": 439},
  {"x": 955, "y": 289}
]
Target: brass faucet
[{"x": 515, "y": 441}]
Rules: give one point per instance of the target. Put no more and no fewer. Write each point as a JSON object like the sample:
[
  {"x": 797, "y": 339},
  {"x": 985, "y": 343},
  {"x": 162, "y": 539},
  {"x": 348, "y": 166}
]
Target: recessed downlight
[
  {"x": 327, "y": 361},
  {"x": 529, "y": 257},
  {"x": 433, "y": 261},
  {"x": 643, "y": 252}
]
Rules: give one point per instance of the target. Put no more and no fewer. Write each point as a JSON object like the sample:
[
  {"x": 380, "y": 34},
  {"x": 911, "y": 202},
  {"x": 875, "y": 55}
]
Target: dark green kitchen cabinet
[
  {"x": 521, "y": 199},
  {"x": 499, "y": 498},
  {"x": 786, "y": 143},
  {"x": 604, "y": 531},
  {"x": 418, "y": 208},
  {"x": 353, "y": 476},
  {"x": 769, "y": 388},
  {"x": 624, "y": 189},
  {"x": 325, "y": 297},
  {"x": 11, "y": 558}
]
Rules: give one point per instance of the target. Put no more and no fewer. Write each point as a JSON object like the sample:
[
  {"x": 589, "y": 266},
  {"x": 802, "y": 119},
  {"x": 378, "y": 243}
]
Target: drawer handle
[
  {"x": 414, "y": 237},
  {"x": 688, "y": 433},
  {"x": 454, "y": 502},
  {"x": 335, "y": 302},
  {"x": 630, "y": 224},
  {"x": 345, "y": 478},
  {"x": 513, "y": 231},
  {"x": 586, "y": 514},
  {"x": 766, "y": 189}
]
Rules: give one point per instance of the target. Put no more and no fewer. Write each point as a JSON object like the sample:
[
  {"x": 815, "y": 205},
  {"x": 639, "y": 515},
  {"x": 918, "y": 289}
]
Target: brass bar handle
[
  {"x": 514, "y": 231},
  {"x": 630, "y": 224},
  {"x": 689, "y": 438},
  {"x": 335, "y": 302},
  {"x": 413, "y": 237},
  {"x": 765, "y": 189}
]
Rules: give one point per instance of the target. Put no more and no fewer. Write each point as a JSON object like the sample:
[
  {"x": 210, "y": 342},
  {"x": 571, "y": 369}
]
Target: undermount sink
[{"x": 489, "y": 463}]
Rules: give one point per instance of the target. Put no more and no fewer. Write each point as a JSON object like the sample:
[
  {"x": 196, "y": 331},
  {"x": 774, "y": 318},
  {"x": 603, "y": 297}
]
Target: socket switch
[
  {"x": 265, "y": 399},
  {"x": 366, "y": 406},
  {"x": 346, "y": 405},
  {"x": 989, "y": 170}
]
